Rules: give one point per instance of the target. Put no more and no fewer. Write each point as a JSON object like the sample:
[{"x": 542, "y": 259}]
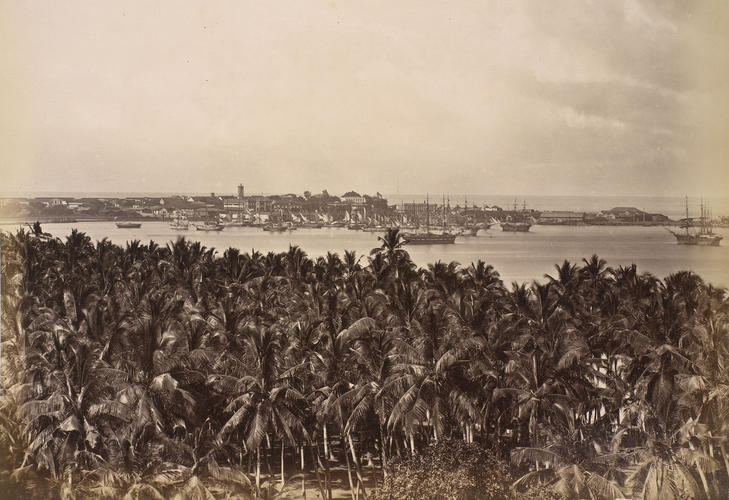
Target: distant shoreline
[{"x": 56, "y": 220}]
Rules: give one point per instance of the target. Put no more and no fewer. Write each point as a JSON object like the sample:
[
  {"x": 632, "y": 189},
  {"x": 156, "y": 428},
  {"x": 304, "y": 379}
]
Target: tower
[{"x": 240, "y": 191}]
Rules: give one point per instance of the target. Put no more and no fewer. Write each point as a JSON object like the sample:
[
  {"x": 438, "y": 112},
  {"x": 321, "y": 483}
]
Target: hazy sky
[{"x": 523, "y": 97}]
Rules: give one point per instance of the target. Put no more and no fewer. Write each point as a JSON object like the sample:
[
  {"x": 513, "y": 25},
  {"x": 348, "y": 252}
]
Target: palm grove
[{"x": 147, "y": 369}]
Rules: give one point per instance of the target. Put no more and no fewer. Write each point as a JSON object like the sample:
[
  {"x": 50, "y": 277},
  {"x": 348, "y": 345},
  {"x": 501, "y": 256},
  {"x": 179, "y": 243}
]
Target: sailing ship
[
  {"x": 428, "y": 238},
  {"x": 705, "y": 236},
  {"x": 128, "y": 225},
  {"x": 179, "y": 223},
  {"x": 517, "y": 226},
  {"x": 309, "y": 224}
]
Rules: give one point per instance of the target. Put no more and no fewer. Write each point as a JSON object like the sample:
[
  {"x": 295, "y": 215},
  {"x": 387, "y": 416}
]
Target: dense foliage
[
  {"x": 152, "y": 371},
  {"x": 453, "y": 470}
]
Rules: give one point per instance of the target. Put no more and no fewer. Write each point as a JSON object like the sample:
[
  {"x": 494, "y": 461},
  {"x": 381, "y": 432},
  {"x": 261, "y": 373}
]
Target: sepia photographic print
[{"x": 364, "y": 249}]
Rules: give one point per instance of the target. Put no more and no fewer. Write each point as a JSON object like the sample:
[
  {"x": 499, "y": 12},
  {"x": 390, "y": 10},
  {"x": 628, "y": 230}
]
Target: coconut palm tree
[
  {"x": 260, "y": 394},
  {"x": 172, "y": 365}
]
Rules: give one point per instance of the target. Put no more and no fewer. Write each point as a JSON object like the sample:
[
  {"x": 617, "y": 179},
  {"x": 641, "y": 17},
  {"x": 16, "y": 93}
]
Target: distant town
[{"x": 317, "y": 209}]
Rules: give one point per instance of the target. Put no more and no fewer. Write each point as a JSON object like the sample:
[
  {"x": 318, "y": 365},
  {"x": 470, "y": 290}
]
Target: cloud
[{"x": 513, "y": 97}]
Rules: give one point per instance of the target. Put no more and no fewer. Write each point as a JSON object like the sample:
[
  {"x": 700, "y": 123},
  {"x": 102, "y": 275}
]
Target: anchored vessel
[
  {"x": 278, "y": 227},
  {"x": 705, "y": 236},
  {"x": 428, "y": 238},
  {"x": 128, "y": 225},
  {"x": 179, "y": 223},
  {"x": 209, "y": 226},
  {"x": 517, "y": 226},
  {"x": 473, "y": 229}
]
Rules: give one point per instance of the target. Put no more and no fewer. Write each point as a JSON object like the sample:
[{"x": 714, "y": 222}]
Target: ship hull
[
  {"x": 277, "y": 228},
  {"x": 698, "y": 240},
  {"x": 429, "y": 239},
  {"x": 515, "y": 227},
  {"x": 129, "y": 225},
  {"x": 209, "y": 228}
]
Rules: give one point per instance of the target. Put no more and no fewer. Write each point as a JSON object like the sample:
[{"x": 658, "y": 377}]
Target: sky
[{"x": 559, "y": 97}]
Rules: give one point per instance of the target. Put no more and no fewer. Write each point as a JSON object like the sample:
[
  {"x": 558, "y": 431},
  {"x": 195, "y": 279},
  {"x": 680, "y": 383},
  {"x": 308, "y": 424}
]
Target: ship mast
[
  {"x": 444, "y": 214},
  {"x": 427, "y": 214},
  {"x": 687, "y": 217}
]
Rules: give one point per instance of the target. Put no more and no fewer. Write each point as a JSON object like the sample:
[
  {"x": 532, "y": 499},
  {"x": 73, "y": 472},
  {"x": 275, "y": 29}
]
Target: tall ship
[
  {"x": 705, "y": 236},
  {"x": 471, "y": 228},
  {"x": 428, "y": 238},
  {"x": 517, "y": 224}
]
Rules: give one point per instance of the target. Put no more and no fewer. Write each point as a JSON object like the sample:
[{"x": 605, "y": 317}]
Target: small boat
[
  {"x": 128, "y": 225},
  {"x": 275, "y": 228},
  {"x": 209, "y": 226},
  {"x": 354, "y": 226}
]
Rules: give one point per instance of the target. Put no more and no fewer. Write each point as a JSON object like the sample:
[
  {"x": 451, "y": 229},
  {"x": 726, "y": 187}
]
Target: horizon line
[{"x": 154, "y": 194}]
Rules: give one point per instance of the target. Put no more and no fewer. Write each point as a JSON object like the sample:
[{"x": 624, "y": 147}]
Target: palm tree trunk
[
  {"x": 282, "y": 463},
  {"x": 258, "y": 471},
  {"x": 326, "y": 443},
  {"x": 383, "y": 444},
  {"x": 327, "y": 476},
  {"x": 269, "y": 452},
  {"x": 352, "y": 491},
  {"x": 412, "y": 444},
  {"x": 317, "y": 464},
  {"x": 303, "y": 478},
  {"x": 357, "y": 468}
]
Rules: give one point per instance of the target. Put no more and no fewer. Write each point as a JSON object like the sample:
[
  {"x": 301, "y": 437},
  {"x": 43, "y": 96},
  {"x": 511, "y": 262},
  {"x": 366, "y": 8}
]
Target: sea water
[{"x": 520, "y": 257}]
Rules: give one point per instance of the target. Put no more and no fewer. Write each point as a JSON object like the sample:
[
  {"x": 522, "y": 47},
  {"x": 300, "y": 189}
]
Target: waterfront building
[
  {"x": 235, "y": 205},
  {"x": 259, "y": 204},
  {"x": 561, "y": 217},
  {"x": 354, "y": 198}
]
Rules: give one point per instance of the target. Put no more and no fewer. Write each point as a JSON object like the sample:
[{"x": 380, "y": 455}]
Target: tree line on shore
[{"x": 146, "y": 370}]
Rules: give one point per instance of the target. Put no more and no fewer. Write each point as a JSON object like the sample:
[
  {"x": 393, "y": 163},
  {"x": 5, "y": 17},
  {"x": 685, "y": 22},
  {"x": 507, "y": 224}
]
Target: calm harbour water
[{"x": 516, "y": 256}]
